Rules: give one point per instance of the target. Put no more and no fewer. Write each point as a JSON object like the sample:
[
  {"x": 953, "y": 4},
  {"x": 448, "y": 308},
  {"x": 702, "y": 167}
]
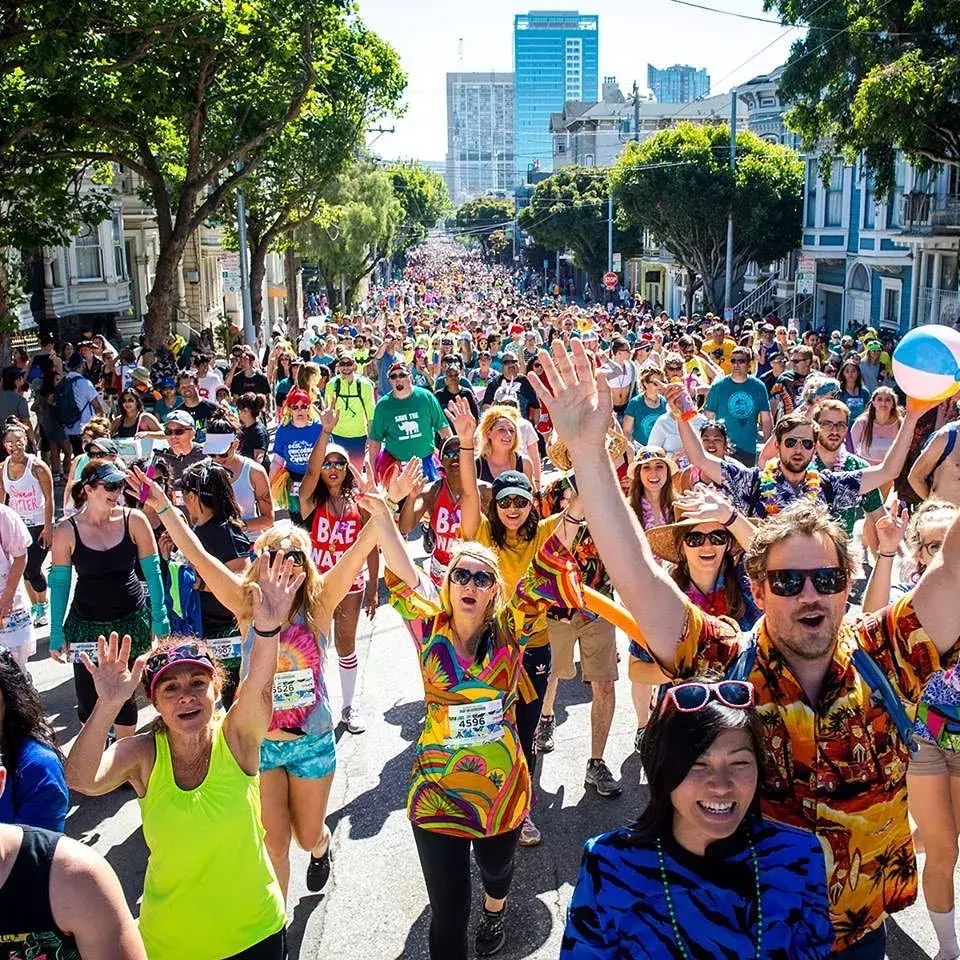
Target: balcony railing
[
  {"x": 938, "y": 306},
  {"x": 931, "y": 211}
]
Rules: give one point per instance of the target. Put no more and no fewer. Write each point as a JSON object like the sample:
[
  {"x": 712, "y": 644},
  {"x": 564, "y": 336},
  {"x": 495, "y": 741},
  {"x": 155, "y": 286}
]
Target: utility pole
[
  {"x": 249, "y": 334},
  {"x": 609, "y": 230},
  {"x": 728, "y": 280},
  {"x": 636, "y": 112}
]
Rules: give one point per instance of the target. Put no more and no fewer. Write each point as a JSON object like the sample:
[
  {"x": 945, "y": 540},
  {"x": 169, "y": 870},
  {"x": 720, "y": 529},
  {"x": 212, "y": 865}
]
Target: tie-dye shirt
[
  {"x": 837, "y": 767},
  {"x": 469, "y": 775}
]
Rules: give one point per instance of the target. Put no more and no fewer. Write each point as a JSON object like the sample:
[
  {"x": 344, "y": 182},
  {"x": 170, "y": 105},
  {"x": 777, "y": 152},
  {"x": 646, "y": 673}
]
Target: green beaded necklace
[{"x": 673, "y": 915}]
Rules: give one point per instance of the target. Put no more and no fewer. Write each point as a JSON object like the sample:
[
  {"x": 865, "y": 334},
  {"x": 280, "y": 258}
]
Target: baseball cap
[
  {"x": 510, "y": 482},
  {"x": 159, "y": 663},
  {"x": 104, "y": 445},
  {"x": 167, "y": 382},
  {"x": 183, "y": 418}
]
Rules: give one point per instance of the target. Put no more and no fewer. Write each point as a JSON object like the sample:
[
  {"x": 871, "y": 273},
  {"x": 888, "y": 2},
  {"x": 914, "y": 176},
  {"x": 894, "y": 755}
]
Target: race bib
[
  {"x": 15, "y": 621},
  {"x": 226, "y": 648},
  {"x": 472, "y": 724},
  {"x": 90, "y": 649},
  {"x": 294, "y": 689},
  {"x": 295, "y": 489}
]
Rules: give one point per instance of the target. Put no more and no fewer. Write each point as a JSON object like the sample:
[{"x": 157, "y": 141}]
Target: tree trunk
[
  {"x": 688, "y": 292},
  {"x": 333, "y": 294},
  {"x": 162, "y": 299},
  {"x": 294, "y": 292},
  {"x": 258, "y": 268}
]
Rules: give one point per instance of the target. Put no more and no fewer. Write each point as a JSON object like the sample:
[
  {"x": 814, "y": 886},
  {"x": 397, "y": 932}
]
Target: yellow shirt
[
  {"x": 727, "y": 347},
  {"x": 515, "y": 559}
]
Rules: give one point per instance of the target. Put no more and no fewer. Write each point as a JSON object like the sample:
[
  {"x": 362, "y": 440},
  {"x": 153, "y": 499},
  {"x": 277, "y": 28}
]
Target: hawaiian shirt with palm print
[{"x": 837, "y": 767}]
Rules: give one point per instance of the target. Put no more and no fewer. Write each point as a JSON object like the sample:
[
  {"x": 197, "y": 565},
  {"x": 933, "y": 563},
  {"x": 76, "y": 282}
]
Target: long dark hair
[
  {"x": 348, "y": 489},
  {"x": 673, "y": 742},
  {"x": 498, "y": 532},
  {"x": 211, "y": 484},
  {"x": 736, "y": 605},
  {"x": 77, "y": 491},
  {"x": 23, "y": 716}
]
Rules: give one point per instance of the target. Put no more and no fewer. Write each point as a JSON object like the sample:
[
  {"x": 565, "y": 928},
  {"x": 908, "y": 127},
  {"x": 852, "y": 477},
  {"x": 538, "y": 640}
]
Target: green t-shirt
[
  {"x": 644, "y": 417},
  {"x": 406, "y": 427},
  {"x": 739, "y": 405},
  {"x": 868, "y": 502}
]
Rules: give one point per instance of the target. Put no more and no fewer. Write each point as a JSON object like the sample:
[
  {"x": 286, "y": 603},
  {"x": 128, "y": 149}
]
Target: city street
[{"x": 375, "y": 907}]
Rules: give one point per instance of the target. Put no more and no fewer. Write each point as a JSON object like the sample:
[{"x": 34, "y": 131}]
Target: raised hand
[
  {"x": 579, "y": 402},
  {"x": 329, "y": 418},
  {"x": 704, "y": 504},
  {"x": 114, "y": 681},
  {"x": 156, "y": 498},
  {"x": 371, "y": 496},
  {"x": 890, "y": 531},
  {"x": 459, "y": 414},
  {"x": 408, "y": 480},
  {"x": 275, "y": 590}
]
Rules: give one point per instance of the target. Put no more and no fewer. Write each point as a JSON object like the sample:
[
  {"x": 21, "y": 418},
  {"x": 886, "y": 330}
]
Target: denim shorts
[{"x": 310, "y": 757}]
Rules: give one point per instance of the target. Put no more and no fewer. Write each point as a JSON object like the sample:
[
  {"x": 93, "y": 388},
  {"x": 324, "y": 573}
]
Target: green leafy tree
[
  {"x": 185, "y": 93},
  {"x": 286, "y": 189},
  {"x": 361, "y": 217},
  {"x": 423, "y": 195},
  {"x": 872, "y": 75},
  {"x": 477, "y": 219},
  {"x": 678, "y": 185},
  {"x": 570, "y": 211}
]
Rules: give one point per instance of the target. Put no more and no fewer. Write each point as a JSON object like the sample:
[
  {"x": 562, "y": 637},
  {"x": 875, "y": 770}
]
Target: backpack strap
[
  {"x": 742, "y": 666},
  {"x": 947, "y": 450}
]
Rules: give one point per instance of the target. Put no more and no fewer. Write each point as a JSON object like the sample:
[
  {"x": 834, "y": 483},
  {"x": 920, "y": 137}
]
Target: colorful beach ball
[{"x": 926, "y": 362}]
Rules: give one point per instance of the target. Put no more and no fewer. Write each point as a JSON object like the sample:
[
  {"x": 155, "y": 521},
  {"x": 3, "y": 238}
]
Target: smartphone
[{"x": 144, "y": 489}]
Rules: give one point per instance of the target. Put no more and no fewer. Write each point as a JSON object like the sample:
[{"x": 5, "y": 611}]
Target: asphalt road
[{"x": 375, "y": 906}]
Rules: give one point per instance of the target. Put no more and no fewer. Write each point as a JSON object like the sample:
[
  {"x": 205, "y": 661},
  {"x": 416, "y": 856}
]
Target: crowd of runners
[{"x": 203, "y": 528}]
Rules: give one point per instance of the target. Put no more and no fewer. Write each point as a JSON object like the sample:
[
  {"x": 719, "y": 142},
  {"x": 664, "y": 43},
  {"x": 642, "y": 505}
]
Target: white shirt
[
  {"x": 84, "y": 394},
  {"x": 207, "y": 386}
]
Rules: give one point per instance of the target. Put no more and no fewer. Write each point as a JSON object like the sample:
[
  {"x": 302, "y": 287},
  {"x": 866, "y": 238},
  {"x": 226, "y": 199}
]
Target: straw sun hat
[
  {"x": 664, "y": 541},
  {"x": 616, "y": 444}
]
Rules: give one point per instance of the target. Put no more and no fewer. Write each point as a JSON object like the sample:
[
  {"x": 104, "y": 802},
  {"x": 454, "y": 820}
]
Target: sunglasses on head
[
  {"x": 174, "y": 432},
  {"x": 697, "y": 538},
  {"x": 789, "y": 583},
  {"x": 483, "y": 579},
  {"x": 513, "y": 500},
  {"x": 695, "y": 695},
  {"x": 297, "y": 557},
  {"x": 805, "y": 442}
]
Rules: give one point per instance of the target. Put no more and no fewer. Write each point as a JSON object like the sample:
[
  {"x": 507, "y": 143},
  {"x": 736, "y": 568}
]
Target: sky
[{"x": 425, "y": 33}]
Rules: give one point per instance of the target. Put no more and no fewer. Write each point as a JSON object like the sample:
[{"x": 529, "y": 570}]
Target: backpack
[
  {"x": 65, "y": 407},
  {"x": 882, "y": 693}
]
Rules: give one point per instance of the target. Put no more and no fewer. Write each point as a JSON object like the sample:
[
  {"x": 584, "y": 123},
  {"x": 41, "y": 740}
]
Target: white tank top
[
  {"x": 243, "y": 491},
  {"x": 24, "y": 496}
]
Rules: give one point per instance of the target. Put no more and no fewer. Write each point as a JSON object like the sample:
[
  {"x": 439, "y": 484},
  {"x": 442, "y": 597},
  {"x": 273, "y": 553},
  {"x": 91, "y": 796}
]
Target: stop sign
[{"x": 610, "y": 280}]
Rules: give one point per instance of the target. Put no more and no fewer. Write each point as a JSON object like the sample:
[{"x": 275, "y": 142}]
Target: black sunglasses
[
  {"x": 112, "y": 486},
  {"x": 483, "y": 579},
  {"x": 791, "y": 442},
  {"x": 789, "y": 583},
  {"x": 697, "y": 538},
  {"x": 298, "y": 557},
  {"x": 515, "y": 501}
]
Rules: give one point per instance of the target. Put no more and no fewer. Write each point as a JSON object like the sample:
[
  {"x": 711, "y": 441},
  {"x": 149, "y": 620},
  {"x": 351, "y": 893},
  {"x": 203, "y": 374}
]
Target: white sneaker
[
  {"x": 353, "y": 720},
  {"x": 40, "y": 616}
]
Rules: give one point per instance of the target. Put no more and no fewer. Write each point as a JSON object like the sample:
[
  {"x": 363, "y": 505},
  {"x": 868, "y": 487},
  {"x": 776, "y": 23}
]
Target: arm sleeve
[
  {"x": 40, "y": 793},
  {"x": 158, "y": 606},
  {"x": 59, "y": 580}
]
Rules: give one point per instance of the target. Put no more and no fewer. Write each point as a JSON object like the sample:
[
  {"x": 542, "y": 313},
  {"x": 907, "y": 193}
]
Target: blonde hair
[
  {"x": 475, "y": 551},
  {"x": 489, "y": 419},
  {"x": 309, "y": 598},
  {"x": 308, "y": 378}
]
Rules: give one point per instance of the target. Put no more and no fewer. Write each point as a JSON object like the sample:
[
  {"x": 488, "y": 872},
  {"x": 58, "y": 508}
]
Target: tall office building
[
  {"x": 555, "y": 61},
  {"x": 480, "y": 156},
  {"x": 678, "y": 84}
]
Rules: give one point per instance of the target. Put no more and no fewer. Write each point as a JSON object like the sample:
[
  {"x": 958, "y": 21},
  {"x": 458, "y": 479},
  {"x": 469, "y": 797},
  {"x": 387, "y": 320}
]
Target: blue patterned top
[{"x": 619, "y": 910}]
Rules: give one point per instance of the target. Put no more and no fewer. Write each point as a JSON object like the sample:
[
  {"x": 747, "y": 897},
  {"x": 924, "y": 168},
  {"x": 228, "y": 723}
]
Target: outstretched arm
[
  {"x": 581, "y": 407},
  {"x": 935, "y": 596},
  {"x": 458, "y": 410},
  {"x": 709, "y": 465},
  {"x": 889, "y": 469}
]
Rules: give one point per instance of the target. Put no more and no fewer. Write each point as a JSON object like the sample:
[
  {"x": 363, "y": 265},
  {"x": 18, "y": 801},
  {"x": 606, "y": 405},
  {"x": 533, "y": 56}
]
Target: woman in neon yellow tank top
[{"x": 210, "y": 890}]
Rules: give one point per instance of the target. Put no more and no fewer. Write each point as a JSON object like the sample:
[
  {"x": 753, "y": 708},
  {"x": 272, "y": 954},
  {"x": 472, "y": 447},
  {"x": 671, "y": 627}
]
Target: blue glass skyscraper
[{"x": 555, "y": 60}]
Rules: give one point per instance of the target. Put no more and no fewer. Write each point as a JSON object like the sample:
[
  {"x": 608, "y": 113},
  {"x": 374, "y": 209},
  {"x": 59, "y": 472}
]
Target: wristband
[
  {"x": 160, "y": 513},
  {"x": 733, "y": 516},
  {"x": 879, "y": 554},
  {"x": 267, "y": 633},
  {"x": 468, "y": 448}
]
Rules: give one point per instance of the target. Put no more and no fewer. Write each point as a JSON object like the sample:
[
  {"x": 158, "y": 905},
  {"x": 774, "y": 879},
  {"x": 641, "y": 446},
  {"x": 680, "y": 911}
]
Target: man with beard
[
  {"x": 201, "y": 410},
  {"x": 834, "y": 760},
  {"x": 765, "y": 490},
  {"x": 833, "y": 417}
]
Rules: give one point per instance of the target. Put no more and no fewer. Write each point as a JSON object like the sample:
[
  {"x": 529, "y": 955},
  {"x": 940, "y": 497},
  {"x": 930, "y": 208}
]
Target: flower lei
[{"x": 768, "y": 486}]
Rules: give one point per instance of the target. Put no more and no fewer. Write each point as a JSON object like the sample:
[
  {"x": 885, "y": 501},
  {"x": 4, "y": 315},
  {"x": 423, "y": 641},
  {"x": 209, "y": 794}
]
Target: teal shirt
[
  {"x": 739, "y": 405},
  {"x": 406, "y": 427},
  {"x": 644, "y": 417}
]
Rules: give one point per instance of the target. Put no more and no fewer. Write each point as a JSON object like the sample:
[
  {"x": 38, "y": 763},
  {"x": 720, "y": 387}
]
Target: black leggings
[
  {"x": 36, "y": 554},
  {"x": 536, "y": 662},
  {"x": 273, "y": 948},
  {"x": 445, "y": 862}
]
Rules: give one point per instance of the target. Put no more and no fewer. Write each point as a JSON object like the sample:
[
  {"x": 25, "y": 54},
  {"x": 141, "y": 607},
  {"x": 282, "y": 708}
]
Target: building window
[
  {"x": 869, "y": 200},
  {"x": 833, "y": 211},
  {"x": 890, "y": 302},
  {"x": 119, "y": 260},
  {"x": 812, "y": 174},
  {"x": 895, "y": 200},
  {"x": 87, "y": 250}
]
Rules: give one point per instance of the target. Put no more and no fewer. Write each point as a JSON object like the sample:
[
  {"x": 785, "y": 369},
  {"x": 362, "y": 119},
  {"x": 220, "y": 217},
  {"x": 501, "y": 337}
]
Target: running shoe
[
  {"x": 40, "y": 615},
  {"x": 543, "y": 736},
  {"x": 601, "y": 779},
  {"x": 318, "y": 873},
  {"x": 491, "y": 934},
  {"x": 638, "y": 739},
  {"x": 352, "y": 718},
  {"x": 529, "y": 834}
]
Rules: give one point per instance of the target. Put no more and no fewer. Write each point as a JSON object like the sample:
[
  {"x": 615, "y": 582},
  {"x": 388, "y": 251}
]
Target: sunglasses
[
  {"x": 697, "y": 538},
  {"x": 297, "y": 557},
  {"x": 300, "y": 406},
  {"x": 220, "y": 456},
  {"x": 805, "y": 442},
  {"x": 174, "y": 433},
  {"x": 111, "y": 486},
  {"x": 739, "y": 360},
  {"x": 789, "y": 583},
  {"x": 483, "y": 579},
  {"x": 344, "y": 363},
  {"x": 673, "y": 366},
  {"x": 335, "y": 463},
  {"x": 399, "y": 376},
  {"x": 450, "y": 453},
  {"x": 515, "y": 501},
  {"x": 694, "y": 696}
]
